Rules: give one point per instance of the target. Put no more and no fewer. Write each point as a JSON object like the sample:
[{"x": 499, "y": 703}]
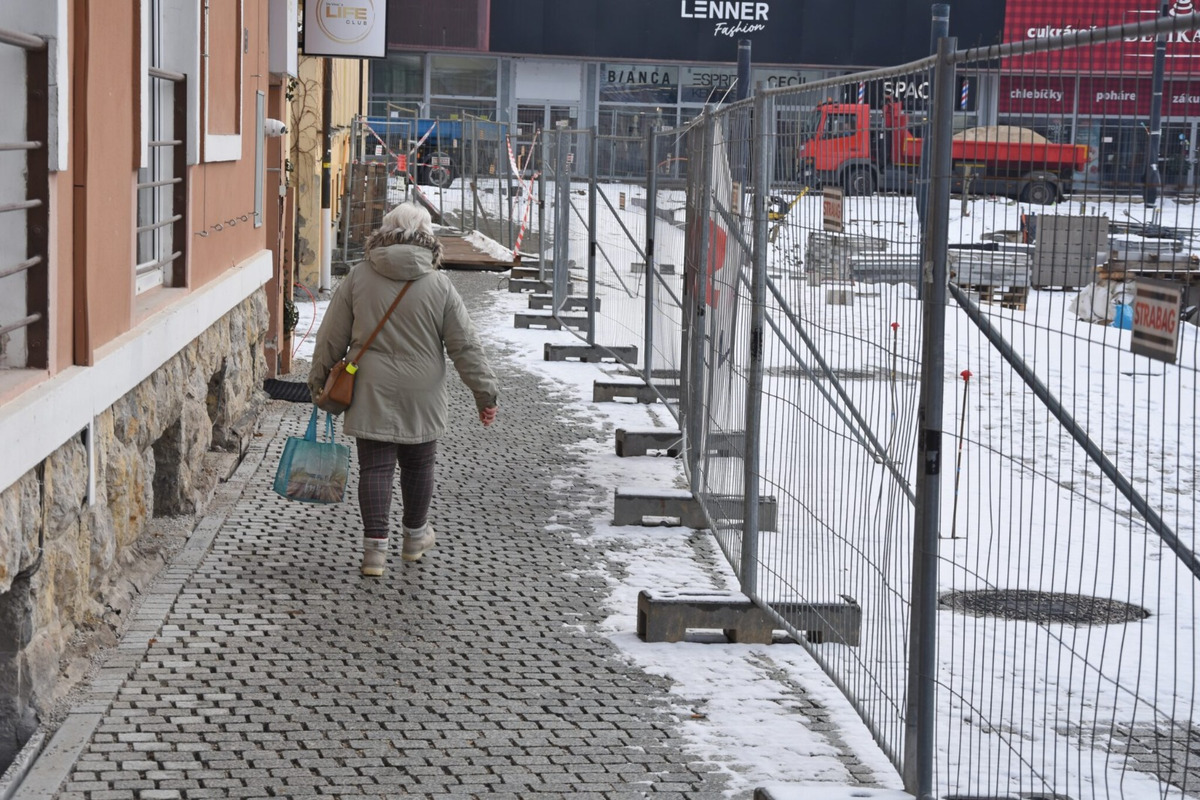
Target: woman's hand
[{"x": 487, "y": 416}]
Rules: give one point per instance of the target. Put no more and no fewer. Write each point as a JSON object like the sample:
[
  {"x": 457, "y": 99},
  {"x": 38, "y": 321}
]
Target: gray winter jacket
[{"x": 400, "y": 389}]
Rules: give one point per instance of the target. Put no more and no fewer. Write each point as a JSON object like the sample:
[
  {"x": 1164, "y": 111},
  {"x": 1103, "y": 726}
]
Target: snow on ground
[{"x": 1017, "y": 697}]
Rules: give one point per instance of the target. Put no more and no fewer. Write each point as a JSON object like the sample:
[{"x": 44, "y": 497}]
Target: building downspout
[{"x": 327, "y": 179}]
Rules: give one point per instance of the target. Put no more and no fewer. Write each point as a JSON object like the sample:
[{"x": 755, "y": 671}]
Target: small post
[
  {"x": 1154, "y": 151},
  {"x": 593, "y": 175},
  {"x": 764, "y": 115},
  {"x": 651, "y": 267}
]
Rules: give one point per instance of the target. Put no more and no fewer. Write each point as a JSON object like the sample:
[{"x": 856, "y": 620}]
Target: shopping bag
[{"x": 313, "y": 471}]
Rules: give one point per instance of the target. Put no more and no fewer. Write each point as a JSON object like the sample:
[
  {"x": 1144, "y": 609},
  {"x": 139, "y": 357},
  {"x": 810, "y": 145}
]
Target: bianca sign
[{"x": 345, "y": 28}]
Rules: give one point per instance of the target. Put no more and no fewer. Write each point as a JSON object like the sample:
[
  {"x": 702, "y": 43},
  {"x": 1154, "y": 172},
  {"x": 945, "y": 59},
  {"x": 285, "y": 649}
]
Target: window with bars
[
  {"x": 160, "y": 196},
  {"x": 24, "y": 204}
]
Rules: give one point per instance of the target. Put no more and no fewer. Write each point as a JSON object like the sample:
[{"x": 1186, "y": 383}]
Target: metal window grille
[
  {"x": 161, "y": 188},
  {"x": 24, "y": 274}
]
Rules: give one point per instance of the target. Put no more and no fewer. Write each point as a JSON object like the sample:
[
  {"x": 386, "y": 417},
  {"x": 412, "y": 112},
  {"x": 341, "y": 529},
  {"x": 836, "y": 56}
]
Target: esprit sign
[
  {"x": 1156, "y": 319},
  {"x": 346, "y": 28},
  {"x": 728, "y": 17}
]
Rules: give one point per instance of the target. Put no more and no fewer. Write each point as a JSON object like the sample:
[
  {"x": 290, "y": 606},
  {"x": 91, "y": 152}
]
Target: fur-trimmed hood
[
  {"x": 402, "y": 257},
  {"x": 388, "y": 238}
]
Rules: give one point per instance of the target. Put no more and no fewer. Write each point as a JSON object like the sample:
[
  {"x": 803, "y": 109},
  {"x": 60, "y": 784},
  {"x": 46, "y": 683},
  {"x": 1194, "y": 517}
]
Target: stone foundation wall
[{"x": 159, "y": 451}]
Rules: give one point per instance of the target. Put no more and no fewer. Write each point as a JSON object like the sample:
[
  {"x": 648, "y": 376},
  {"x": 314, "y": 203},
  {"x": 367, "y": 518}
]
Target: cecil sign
[{"x": 1156, "y": 319}]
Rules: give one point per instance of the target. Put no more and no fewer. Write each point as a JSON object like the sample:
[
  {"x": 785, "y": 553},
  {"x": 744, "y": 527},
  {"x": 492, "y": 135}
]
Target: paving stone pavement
[{"x": 262, "y": 665}]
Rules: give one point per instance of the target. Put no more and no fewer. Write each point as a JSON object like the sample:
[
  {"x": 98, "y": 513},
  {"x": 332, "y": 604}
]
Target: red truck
[{"x": 861, "y": 150}]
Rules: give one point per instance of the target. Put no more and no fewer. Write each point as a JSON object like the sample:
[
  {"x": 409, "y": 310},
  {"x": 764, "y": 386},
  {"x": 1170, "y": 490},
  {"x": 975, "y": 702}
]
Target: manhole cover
[{"x": 1072, "y": 609}]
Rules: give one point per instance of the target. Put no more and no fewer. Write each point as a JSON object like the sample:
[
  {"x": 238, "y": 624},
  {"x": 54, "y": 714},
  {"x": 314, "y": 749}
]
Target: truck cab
[{"x": 862, "y": 150}]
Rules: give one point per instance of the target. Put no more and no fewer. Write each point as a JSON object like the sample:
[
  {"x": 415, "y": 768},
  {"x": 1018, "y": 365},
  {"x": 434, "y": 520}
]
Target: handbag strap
[{"x": 379, "y": 327}]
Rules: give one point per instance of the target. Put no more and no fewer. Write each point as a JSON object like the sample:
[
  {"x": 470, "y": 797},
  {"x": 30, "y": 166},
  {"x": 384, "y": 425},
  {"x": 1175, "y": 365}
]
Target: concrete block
[
  {"x": 639, "y": 268},
  {"x": 640, "y": 442},
  {"x": 590, "y": 353},
  {"x": 632, "y": 505},
  {"x": 807, "y": 791},
  {"x": 607, "y": 391},
  {"x": 839, "y": 296},
  {"x": 668, "y": 616},
  {"x": 549, "y": 321},
  {"x": 543, "y": 301},
  {"x": 517, "y": 285}
]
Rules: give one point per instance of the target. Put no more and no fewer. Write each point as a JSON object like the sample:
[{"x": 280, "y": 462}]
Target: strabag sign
[
  {"x": 1156, "y": 307},
  {"x": 345, "y": 28}
]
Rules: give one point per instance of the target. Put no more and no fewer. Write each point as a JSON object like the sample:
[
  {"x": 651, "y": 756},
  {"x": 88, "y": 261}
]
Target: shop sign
[
  {"x": 728, "y": 18},
  {"x": 345, "y": 28},
  {"x": 1037, "y": 94},
  {"x": 638, "y": 83},
  {"x": 779, "y": 78},
  {"x": 1034, "y": 20},
  {"x": 638, "y": 75},
  {"x": 1156, "y": 307}
]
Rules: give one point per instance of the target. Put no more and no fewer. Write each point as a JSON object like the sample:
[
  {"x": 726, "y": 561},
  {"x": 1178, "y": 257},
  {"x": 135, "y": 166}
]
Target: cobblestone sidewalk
[{"x": 262, "y": 665}]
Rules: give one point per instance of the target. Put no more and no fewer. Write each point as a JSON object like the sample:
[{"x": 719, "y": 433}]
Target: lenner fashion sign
[
  {"x": 731, "y": 18},
  {"x": 345, "y": 28}
]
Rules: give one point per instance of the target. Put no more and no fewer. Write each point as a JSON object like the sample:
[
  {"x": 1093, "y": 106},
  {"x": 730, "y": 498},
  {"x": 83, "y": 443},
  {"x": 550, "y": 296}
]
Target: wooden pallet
[{"x": 1014, "y": 297}]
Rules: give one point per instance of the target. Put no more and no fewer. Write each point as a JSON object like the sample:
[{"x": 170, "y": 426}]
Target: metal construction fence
[{"x": 962, "y": 380}]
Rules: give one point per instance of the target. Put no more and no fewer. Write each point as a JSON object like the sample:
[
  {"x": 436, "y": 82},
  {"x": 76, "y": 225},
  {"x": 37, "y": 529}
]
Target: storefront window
[
  {"x": 456, "y": 109},
  {"x": 397, "y": 85},
  {"x": 463, "y": 76}
]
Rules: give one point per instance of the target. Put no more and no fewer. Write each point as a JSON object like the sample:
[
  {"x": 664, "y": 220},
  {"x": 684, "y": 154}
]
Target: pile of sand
[{"x": 1001, "y": 133}]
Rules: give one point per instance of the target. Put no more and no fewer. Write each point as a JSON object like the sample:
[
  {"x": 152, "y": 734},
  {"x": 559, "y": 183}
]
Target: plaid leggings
[{"x": 377, "y": 466}]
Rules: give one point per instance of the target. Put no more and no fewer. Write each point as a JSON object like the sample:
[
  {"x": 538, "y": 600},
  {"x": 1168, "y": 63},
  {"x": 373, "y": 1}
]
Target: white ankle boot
[
  {"x": 417, "y": 542},
  {"x": 374, "y": 556}
]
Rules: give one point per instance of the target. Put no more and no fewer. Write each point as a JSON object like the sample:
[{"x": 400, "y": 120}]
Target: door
[{"x": 532, "y": 120}]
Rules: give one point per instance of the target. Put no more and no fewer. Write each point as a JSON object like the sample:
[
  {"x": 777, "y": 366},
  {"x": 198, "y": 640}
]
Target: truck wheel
[
  {"x": 441, "y": 174},
  {"x": 1041, "y": 193},
  {"x": 860, "y": 182}
]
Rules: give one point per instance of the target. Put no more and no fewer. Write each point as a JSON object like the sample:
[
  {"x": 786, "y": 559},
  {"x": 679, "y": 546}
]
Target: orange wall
[
  {"x": 94, "y": 200},
  {"x": 223, "y": 192},
  {"x": 106, "y": 180},
  {"x": 224, "y": 64}
]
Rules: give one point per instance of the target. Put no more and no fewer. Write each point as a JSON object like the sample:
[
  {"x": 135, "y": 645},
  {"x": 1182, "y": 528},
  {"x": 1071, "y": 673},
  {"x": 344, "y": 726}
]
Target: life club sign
[{"x": 346, "y": 28}]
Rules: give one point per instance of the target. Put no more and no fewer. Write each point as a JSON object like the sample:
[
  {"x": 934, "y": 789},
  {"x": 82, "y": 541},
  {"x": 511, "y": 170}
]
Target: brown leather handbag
[{"x": 338, "y": 391}]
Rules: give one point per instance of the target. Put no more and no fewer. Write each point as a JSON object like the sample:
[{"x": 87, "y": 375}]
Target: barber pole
[
  {"x": 862, "y": 93},
  {"x": 966, "y": 95}
]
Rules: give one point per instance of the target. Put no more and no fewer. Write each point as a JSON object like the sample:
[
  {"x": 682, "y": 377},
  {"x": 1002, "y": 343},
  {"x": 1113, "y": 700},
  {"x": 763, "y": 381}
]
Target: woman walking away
[{"x": 399, "y": 408}]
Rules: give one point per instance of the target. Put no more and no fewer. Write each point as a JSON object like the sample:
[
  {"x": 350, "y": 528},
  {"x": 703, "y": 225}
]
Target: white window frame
[
  {"x": 157, "y": 163},
  {"x": 225, "y": 146}
]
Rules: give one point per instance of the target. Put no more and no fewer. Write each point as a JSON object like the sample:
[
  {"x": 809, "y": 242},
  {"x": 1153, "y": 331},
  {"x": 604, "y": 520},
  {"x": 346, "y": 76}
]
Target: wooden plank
[{"x": 461, "y": 254}]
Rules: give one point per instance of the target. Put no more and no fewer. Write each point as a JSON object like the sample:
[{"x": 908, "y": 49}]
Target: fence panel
[
  {"x": 1067, "y": 565},
  {"x": 459, "y": 169},
  {"x": 1060, "y": 474}
]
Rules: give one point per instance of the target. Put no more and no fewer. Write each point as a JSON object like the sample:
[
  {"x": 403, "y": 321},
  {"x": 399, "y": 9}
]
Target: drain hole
[{"x": 1029, "y": 606}]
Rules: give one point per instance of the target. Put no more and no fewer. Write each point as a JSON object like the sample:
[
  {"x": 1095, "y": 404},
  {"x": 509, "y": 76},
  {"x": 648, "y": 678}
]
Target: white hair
[{"x": 409, "y": 218}]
